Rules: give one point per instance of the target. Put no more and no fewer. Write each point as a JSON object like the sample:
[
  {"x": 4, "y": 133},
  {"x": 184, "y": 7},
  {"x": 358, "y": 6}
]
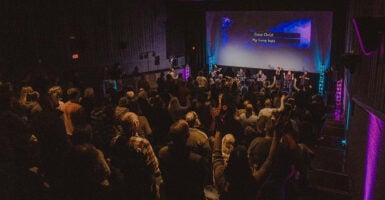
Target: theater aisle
[{"x": 328, "y": 180}]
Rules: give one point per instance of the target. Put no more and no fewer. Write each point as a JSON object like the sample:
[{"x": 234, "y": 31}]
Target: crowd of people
[{"x": 209, "y": 137}]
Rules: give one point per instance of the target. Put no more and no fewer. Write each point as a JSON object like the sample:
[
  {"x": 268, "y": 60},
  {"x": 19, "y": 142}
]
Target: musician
[
  {"x": 304, "y": 80},
  {"x": 261, "y": 78},
  {"x": 267, "y": 87},
  {"x": 288, "y": 81},
  {"x": 241, "y": 75},
  {"x": 278, "y": 77},
  {"x": 216, "y": 71},
  {"x": 219, "y": 79}
]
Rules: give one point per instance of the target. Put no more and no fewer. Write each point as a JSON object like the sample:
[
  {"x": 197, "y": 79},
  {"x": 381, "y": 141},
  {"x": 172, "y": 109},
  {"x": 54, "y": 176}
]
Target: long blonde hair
[
  {"x": 174, "y": 104},
  {"x": 227, "y": 146}
]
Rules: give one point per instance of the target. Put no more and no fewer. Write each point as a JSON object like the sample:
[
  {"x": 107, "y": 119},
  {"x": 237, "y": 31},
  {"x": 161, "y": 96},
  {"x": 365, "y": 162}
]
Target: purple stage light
[
  {"x": 376, "y": 127},
  {"x": 339, "y": 99},
  {"x": 186, "y": 72},
  {"x": 360, "y": 39}
]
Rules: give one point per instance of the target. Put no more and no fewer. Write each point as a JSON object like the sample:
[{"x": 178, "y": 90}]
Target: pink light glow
[
  {"x": 337, "y": 113},
  {"x": 75, "y": 56},
  {"x": 186, "y": 72},
  {"x": 360, "y": 39},
  {"x": 376, "y": 127}
]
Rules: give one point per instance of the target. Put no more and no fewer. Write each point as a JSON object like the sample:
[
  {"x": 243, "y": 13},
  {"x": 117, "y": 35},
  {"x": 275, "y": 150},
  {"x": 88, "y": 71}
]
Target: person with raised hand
[{"x": 239, "y": 180}]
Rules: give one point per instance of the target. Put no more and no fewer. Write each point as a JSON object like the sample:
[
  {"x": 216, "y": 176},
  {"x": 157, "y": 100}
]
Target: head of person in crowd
[
  {"x": 174, "y": 104},
  {"x": 89, "y": 93},
  {"x": 192, "y": 119},
  {"x": 249, "y": 110},
  {"x": 130, "y": 122},
  {"x": 157, "y": 102},
  {"x": 121, "y": 108},
  {"x": 142, "y": 94},
  {"x": 179, "y": 133},
  {"x": 32, "y": 104},
  {"x": 73, "y": 95},
  {"x": 83, "y": 171},
  {"x": 228, "y": 142},
  {"x": 56, "y": 91},
  {"x": 23, "y": 94},
  {"x": 238, "y": 170},
  {"x": 268, "y": 103},
  {"x": 82, "y": 133},
  {"x": 130, "y": 94},
  {"x": 55, "y": 94},
  {"x": 262, "y": 126}
]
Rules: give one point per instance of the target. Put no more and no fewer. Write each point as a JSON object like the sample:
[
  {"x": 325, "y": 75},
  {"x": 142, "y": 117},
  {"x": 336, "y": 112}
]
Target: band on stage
[{"x": 281, "y": 80}]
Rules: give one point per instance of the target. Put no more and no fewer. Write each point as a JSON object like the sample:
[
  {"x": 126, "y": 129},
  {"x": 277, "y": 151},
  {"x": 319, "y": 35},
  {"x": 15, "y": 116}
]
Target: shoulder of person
[
  {"x": 196, "y": 157},
  {"x": 163, "y": 152}
]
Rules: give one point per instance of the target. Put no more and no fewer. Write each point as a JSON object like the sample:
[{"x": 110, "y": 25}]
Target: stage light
[
  {"x": 344, "y": 142},
  {"x": 339, "y": 100},
  {"x": 321, "y": 82},
  {"x": 193, "y": 47},
  {"x": 75, "y": 56},
  {"x": 375, "y": 129},
  {"x": 186, "y": 72}
]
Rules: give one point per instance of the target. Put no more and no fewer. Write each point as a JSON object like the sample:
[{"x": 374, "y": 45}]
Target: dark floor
[{"x": 327, "y": 180}]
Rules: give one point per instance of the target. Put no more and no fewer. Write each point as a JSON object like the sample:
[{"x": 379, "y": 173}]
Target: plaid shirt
[{"x": 142, "y": 145}]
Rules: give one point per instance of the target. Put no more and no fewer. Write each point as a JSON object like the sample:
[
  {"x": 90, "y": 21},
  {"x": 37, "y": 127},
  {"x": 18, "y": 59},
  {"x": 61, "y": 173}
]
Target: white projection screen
[{"x": 293, "y": 40}]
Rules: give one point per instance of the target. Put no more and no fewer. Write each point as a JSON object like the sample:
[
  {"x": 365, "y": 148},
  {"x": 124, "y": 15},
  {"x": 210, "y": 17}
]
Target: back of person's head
[
  {"x": 142, "y": 94},
  {"x": 245, "y": 102},
  {"x": 157, "y": 102},
  {"x": 130, "y": 94},
  {"x": 238, "y": 169},
  {"x": 83, "y": 172},
  {"x": 227, "y": 146},
  {"x": 249, "y": 110},
  {"x": 258, "y": 151},
  {"x": 192, "y": 119},
  {"x": 179, "y": 132},
  {"x": 82, "y": 134},
  {"x": 265, "y": 126},
  {"x": 73, "y": 93},
  {"x": 133, "y": 106},
  {"x": 130, "y": 122},
  {"x": 25, "y": 90},
  {"x": 174, "y": 104},
  {"x": 89, "y": 92},
  {"x": 228, "y": 101},
  {"x": 123, "y": 102},
  {"x": 55, "y": 91},
  {"x": 267, "y": 103}
]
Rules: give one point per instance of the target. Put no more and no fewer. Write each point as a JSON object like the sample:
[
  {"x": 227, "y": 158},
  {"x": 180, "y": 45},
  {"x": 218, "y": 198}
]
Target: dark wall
[
  {"x": 42, "y": 35},
  {"x": 36, "y": 34}
]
